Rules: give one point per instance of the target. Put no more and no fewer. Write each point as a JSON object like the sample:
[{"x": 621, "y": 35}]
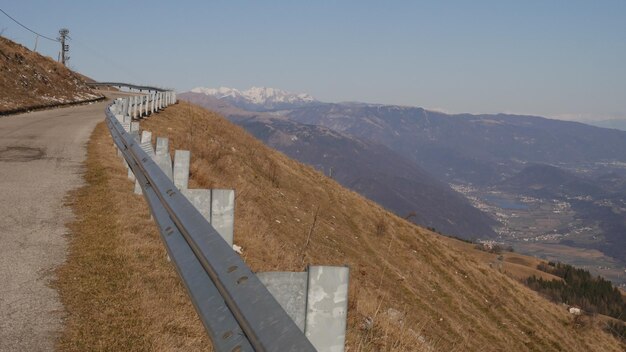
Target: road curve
[{"x": 41, "y": 155}]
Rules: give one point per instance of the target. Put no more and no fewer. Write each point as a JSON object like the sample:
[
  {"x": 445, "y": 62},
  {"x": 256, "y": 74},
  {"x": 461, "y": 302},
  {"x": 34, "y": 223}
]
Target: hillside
[
  {"x": 410, "y": 289},
  {"x": 368, "y": 168},
  {"x": 377, "y": 173},
  {"x": 29, "y": 80}
]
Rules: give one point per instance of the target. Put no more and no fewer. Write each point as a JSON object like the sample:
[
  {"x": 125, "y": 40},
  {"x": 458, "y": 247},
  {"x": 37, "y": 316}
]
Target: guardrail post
[
  {"x": 131, "y": 111},
  {"x": 223, "y": 213},
  {"x": 124, "y": 106},
  {"x": 126, "y": 123},
  {"x": 327, "y": 307},
  {"x": 134, "y": 130},
  {"x": 181, "y": 169},
  {"x": 146, "y": 146},
  {"x": 128, "y": 107},
  {"x": 146, "y": 143},
  {"x": 118, "y": 106},
  {"x": 162, "y": 156},
  {"x": 290, "y": 290},
  {"x": 217, "y": 206},
  {"x": 316, "y": 300},
  {"x": 201, "y": 200},
  {"x": 144, "y": 105}
]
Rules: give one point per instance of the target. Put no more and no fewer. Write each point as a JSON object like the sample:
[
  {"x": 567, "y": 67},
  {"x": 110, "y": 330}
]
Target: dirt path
[{"x": 41, "y": 155}]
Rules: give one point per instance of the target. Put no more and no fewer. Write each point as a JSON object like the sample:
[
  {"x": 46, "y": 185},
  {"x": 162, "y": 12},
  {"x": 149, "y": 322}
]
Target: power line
[{"x": 28, "y": 29}]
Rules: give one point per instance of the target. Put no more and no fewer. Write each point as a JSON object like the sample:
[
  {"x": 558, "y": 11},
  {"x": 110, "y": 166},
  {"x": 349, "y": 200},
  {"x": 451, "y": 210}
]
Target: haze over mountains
[{"x": 475, "y": 154}]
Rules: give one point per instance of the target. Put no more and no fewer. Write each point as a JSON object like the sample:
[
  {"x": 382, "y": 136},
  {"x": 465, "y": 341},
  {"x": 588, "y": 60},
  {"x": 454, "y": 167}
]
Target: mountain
[
  {"x": 258, "y": 98},
  {"x": 369, "y": 168},
  {"x": 410, "y": 289},
  {"x": 465, "y": 148},
  {"x": 29, "y": 80},
  {"x": 618, "y": 124},
  {"x": 377, "y": 173}
]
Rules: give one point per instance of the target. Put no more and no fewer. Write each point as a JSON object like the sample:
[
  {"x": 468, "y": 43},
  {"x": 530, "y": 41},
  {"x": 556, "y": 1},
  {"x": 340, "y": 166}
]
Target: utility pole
[{"x": 65, "y": 48}]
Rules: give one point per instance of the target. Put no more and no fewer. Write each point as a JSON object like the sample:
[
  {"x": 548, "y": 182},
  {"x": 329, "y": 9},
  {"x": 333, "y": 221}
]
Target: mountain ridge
[
  {"x": 258, "y": 98},
  {"x": 364, "y": 166}
]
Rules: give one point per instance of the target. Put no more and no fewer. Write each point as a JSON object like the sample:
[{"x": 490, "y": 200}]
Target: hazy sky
[{"x": 564, "y": 59}]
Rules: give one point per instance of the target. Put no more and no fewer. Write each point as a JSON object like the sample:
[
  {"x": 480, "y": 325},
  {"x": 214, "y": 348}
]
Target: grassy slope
[
  {"x": 446, "y": 299},
  {"x": 119, "y": 291},
  {"x": 30, "y": 80}
]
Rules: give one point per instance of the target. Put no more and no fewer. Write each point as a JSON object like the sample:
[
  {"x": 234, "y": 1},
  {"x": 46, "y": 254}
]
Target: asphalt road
[{"x": 41, "y": 155}]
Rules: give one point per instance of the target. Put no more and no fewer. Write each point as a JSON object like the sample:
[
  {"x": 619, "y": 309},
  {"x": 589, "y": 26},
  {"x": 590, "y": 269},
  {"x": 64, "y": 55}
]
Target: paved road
[{"x": 40, "y": 161}]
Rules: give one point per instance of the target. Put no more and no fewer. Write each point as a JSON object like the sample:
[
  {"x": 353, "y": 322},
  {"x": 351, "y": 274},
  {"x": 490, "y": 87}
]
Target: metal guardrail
[
  {"x": 237, "y": 310},
  {"x": 121, "y": 84}
]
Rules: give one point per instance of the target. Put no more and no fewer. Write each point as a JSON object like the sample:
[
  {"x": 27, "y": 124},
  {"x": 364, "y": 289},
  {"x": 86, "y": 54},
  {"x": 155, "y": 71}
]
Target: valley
[{"x": 550, "y": 229}]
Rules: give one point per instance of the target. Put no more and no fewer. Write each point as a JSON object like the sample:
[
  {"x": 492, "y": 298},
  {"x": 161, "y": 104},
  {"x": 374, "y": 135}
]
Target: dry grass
[
  {"x": 418, "y": 290},
  {"x": 30, "y": 80},
  {"x": 119, "y": 291}
]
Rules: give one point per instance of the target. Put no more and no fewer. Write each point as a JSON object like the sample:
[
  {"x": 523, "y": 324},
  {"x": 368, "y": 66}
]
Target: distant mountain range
[
  {"x": 258, "y": 98},
  {"x": 465, "y": 148},
  {"x": 405, "y": 157},
  {"x": 366, "y": 167}
]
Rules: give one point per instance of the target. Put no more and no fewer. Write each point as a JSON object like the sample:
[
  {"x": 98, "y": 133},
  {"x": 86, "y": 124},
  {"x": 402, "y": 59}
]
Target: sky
[{"x": 560, "y": 59}]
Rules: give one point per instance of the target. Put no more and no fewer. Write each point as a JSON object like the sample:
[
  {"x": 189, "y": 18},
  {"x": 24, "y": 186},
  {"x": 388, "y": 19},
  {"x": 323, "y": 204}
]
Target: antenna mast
[{"x": 65, "y": 48}]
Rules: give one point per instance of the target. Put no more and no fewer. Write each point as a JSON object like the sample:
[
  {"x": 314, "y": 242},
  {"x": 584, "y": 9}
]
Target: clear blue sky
[{"x": 563, "y": 59}]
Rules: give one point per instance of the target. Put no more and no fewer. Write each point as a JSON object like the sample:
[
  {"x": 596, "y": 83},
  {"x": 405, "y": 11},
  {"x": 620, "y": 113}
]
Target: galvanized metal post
[
  {"x": 181, "y": 169},
  {"x": 290, "y": 290},
  {"x": 223, "y": 213},
  {"x": 316, "y": 300},
  {"x": 327, "y": 307},
  {"x": 135, "y": 98},
  {"x": 162, "y": 156},
  {"x": 146, "y": 146}
]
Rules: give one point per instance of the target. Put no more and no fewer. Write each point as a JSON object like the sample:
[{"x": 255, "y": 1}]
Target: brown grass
[
  {"x": 30, "y": 80},
  {"x": 119, "y": 291},
  {"x": 410, "y": 289}
]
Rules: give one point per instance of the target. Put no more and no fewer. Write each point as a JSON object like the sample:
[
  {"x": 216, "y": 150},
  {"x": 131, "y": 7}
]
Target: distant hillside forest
[{"x": 580, "y": 288}]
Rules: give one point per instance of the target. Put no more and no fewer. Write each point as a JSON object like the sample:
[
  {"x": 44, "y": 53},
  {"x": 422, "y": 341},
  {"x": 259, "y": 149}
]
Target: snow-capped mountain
[{"x": 259, "y": 98}]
